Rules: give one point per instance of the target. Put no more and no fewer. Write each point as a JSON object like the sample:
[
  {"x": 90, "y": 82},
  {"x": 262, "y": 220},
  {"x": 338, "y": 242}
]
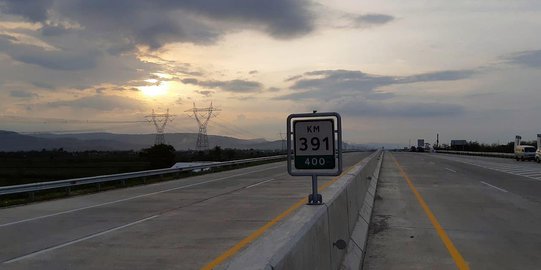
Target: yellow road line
[
  {"x": 253, "y": 236},
  {"x": 457, "y": 257}
]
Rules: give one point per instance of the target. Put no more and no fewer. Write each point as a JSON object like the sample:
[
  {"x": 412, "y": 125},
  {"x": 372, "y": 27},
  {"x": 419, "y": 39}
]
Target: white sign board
[
  {"x": 315, "y": 139},
  {"x": 314, "y": 144}
]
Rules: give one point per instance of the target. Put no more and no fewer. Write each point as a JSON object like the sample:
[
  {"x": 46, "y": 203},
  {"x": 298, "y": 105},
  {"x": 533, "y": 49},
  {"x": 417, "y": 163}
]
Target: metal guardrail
[
  {"x": 8, "y": 190},
  {"x": 484, "y": 154}
]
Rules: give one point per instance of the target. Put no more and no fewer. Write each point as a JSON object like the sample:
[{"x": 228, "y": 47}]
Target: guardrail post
[
  {"x": 31, "y": 196},
  {"x": 68, "y": 191}
]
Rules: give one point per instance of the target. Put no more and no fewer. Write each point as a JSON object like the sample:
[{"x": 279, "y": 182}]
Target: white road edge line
[
  {"x": 36, "y": 253},
  {"x": 131, "y": 198},
  {"x": 257, "y": 184},
  {"x": 500, "y": 189},
  {"x": 450, "y": 170}
]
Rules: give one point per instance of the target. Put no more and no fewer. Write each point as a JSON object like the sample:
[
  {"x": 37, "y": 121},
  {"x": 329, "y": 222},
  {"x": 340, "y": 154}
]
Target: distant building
[{"x": 458, "y": 144}]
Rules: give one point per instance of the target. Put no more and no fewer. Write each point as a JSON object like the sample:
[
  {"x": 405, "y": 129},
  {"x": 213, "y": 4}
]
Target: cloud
[
  {"x": 23, "y": 94},
  {"x": 396, "y": 109},
  {"x": 369, "y": 20},
  {"x": 205, "y": 93},
  {"x": 448, "y": 75},
  {"x": 100, "y": 103},
  {"x": 52, "y": 59},
  {"x": 528, "y": 59},
  {"x": 35, "y": 11},
  {"x": 332, "y": 84},
  {"x": 43, "y": 85},
  {"x": 293, "y": 78},
  {"x": 155, "y": 23},
  {"x": 236, "y": 86},
  {"x": 357, "y": 93}
]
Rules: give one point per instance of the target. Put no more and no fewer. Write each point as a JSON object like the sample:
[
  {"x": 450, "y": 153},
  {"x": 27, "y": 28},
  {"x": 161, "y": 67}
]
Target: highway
[
  {"x": 180, "y": 224},
  {"x": 437, "y": 211}
]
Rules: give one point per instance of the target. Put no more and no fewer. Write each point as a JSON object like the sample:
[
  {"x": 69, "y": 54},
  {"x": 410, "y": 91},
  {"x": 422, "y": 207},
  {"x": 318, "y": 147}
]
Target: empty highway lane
[
  {"x": 435, "y": 211},
  {"x": 180, "y": 224}
]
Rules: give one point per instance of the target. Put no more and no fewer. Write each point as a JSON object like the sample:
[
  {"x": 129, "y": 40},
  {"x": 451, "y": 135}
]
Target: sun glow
[{"x": 157, "y": 89}]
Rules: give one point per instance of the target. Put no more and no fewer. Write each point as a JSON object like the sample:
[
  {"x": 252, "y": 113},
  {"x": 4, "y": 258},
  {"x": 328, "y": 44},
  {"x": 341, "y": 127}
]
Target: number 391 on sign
[{"x": 314, "y": 144}]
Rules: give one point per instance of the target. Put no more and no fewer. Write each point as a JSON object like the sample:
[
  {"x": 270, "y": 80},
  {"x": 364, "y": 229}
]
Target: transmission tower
[
  {"x": 159, "y": 120},
  {"x": 202, "y": 116},
  {"x": 282, "y": 139}
]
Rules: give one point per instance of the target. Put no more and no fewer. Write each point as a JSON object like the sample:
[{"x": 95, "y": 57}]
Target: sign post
[{"x": 314, "y": 147}]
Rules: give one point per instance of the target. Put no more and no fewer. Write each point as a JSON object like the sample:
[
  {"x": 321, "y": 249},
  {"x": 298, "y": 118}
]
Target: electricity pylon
[
  {"x": 159, "y": 120},
  {"x": 282, "y": 139},
  {"x": 202, "y": 116}
]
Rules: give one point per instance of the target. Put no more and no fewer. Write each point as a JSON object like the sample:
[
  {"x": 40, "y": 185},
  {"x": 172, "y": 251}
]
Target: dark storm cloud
[
  {"x": 34, "y": 11},
  {"x": 100, "y": 103},
  {"x": 236, "y": 86},
  {"x": 52, "y": 59},
  {"x": 157, "y": 22},
  {"x": 529, "y": 59},
  {"x": 368, "y": 20}
]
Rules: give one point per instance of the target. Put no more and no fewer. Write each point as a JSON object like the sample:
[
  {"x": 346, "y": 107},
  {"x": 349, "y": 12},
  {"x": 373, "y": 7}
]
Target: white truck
[
  {"x": 524, "y": 152},
  {"x": 538, "y": 152}
]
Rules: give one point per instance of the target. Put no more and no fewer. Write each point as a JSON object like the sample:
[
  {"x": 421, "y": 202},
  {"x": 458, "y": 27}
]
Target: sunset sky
[{"x": 394, "y": 70}]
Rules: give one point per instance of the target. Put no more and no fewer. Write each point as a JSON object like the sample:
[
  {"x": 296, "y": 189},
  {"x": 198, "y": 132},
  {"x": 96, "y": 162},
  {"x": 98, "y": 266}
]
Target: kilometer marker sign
[
  {"x": 314, "y": 147},
  {"x": 314, "y": 144}
]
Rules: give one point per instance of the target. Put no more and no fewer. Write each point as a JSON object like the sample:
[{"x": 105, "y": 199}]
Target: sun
[{"x": 154, "y": 90}]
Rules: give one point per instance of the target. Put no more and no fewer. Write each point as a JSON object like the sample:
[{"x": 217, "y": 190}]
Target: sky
[{"x": 396, "y": 71}]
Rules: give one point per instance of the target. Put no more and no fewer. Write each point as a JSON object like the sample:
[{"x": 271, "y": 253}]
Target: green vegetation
[{"x": 48, "y": 165}]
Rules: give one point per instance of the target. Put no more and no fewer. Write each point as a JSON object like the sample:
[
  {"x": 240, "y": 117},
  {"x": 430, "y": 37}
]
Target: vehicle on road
[
  {"x": 525, "y": 152},
  {"x": 538, "y": 152}
]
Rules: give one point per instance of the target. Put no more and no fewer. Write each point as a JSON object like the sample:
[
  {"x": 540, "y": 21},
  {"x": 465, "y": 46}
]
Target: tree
[{"x": 159, "y": 156}]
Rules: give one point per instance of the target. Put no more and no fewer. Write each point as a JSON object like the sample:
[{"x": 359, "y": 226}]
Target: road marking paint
[
  {"x": 532, "y": 174},
  {"x": 455, "y": 254},
  {"x": 134, "y": 197},
  {"x": 500, "y": 189},
  {"x": 451, "y": 170},
  {"x": 523, "y": 170},
  {"x": 262, "y": 182},
  {"x": 255, "y": 235},
  {"x": 516, "y": 169},
  {"x": 36, "y": 253}
]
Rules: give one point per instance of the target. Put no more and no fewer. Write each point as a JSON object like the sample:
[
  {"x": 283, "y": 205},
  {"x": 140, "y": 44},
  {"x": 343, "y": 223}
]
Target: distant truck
[
  {"x": 524, "y": 152},
  {"x": 538, "y": 152}
]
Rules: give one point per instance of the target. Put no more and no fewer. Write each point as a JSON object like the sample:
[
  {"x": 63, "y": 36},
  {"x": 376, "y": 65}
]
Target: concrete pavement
[
  {"x": 181, "y": 224},
  {"x": 492, "y": 218}
]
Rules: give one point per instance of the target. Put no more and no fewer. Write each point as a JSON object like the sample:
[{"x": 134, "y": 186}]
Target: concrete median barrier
[{"x": 330, "y": 236}]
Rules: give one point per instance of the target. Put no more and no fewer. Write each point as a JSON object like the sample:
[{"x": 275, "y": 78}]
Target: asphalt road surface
[
  {"x": 180, "y": 224},
  {"x": 436, "y": 211}
]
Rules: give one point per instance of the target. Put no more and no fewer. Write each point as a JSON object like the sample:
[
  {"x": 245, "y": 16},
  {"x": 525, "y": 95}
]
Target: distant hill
[{"x": 13, "y": 141}]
